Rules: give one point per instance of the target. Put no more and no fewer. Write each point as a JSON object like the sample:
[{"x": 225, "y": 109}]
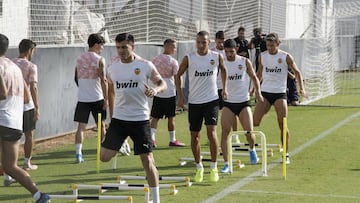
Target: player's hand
[
  {"x": 259, "y": 97},
  {"x": 125, "y": 149},
  {"x": 251, "y": 92},
  {"x": 303, "y": 93},
  {"x": 37, "y": 114},
  {"x": 224, "y": 94},
  {"x": 150, "y": 92},
  {"x": 106, "y": 104}
]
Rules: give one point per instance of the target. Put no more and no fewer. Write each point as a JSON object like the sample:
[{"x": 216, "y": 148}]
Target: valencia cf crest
[
  {"x": 212, "y": 62},
  {"x": 240, "y": 67},
  {"x": 137, "y": 71},
  {"x": 279, "y": 60}
]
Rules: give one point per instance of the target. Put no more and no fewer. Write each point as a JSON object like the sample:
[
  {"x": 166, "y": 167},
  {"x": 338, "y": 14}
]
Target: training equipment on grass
[
  {"x": 183, "y": 161},
  {"x": 263, "y": 147},
  {"x": 278, "y": 146},
  {"x": 98, "y": 144},
  {"x": 78, "y": 198},
  {"x": 188, "y": 183},
  {"x": 111, "y": 186},
  {"x": 284, "y": 146}
]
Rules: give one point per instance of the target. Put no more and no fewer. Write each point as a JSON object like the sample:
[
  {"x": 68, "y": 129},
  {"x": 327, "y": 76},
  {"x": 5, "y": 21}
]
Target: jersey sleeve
[{"x": 154, "y": 75}]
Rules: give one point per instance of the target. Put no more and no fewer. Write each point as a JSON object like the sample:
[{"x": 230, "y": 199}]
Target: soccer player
[
  {"x": 219, "y": 41},
  {"x": 242, "y": 43},
  {"x": 93, "y": 90},
  {"x": 164, "y": 104},
  {"x": 273, "y": 71},
  {"x": 13, "y": 95},
  {"x": 31, "y": 109},
  {"x": 129, "y": 108},
  {"x": 240, "y": 72},
  {"x": 203, "y": 66}
]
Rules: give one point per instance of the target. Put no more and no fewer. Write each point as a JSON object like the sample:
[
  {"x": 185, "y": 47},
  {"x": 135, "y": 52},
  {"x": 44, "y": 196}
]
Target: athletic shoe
[
  {"x": 30, "y": 166},
  {"x": 8, "y": 182},
  {"x": 79, "y": 158},
  {"x": 226, "y": 169},
  {"x": 176, "y": 143},
  {"x": 253, "y": 157},
  {"x": 287, "y": 159},
  {"x": 44, "y": 198},
  {"x": 199, "y": 175},
  {"x": 214, "y": 175},
  {"x": 236, "y": 139}
]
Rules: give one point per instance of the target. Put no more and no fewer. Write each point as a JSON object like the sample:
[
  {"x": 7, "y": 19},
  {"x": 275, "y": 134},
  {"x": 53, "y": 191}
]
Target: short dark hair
[
  {"x": 274, "y": 37},
  {"x": 25, "y": 45},
  {"x": 241, "y": 28},
  {"x": 257, "y": 30},
  {"x": 95, "y": 38},
  {"x": 203, "y": 33},
  {"x": 230, "y": 43},
  {"x": 4, "y": 44},
  {"x": 169, "y": 41},
  {"x": 124, "y": 37},
  {"x": 220, "y": 35}
]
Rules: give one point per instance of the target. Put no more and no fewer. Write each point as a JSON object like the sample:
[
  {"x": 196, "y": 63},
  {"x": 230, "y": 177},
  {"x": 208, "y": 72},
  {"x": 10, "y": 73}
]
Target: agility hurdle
[
  {"x": 278, "y": 146},
  {"x": 110, "y": 186},
  {"x": 183, "y": 161},
  {"x": 78, "y": 198},
  {"x": 187, "y": 180},
  {"x": 263, "y": 147},
  {"x": 270, "y": 151}
]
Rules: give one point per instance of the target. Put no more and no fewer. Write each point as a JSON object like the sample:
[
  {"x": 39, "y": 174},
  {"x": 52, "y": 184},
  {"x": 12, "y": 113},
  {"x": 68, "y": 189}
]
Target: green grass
[{"x": 329, "y": 167}]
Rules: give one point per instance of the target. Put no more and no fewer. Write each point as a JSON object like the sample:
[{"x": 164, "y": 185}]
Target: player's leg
[
  {"x": 114, "y": 139},
  {"x": 170, "y": 109},
  {"x": 227, "y": 117},
  {"x": 81, "y": 116},
  {"x": 281, "y": 112},
  {"x": 28, "y": 129},
  {"x": 246, "y": 120},
  {"x": 235, "y": 128},
  {"x": 148, "y": 162},
  {"x": 96, "y": 108},
  {"x": 156, "y": 114},
  {"x": 261, "y": 108}
]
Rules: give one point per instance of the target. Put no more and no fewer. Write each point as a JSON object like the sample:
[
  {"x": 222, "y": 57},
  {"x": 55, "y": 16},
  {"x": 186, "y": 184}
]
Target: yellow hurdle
[
  {"x": 98, "y": 144},
  {"x": 284, "y": 146}
]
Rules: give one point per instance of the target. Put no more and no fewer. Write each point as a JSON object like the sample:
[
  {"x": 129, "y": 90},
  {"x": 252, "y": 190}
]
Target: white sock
[
  {"x": 78, "y": 148},
  {"x": 235, "y": 136},
  {"x": 155, "y": 194},
  {"x": 27, "y": 160},
  {"x": 213, "y": 165},
  {"x": 7, "y": 177},
  {"x": 172, "y": 136},
  {"x": 37, "y": 195},
  {"x": 153, "y": 132},
  {"x": 252, "y": 149},
  {"x": 226, "y": 163},
  {"x": 199, "y": 165}
]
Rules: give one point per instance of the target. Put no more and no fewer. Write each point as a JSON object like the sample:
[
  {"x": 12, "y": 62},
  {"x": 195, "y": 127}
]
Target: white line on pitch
[
  {"x": 236, "y": 186},
  {"x": 300, "y": 194}
]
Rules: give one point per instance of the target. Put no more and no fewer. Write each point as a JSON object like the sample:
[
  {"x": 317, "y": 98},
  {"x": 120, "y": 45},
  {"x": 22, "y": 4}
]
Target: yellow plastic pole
[
  {"x": 98, "y": 144},
  {"x": 284, "y": 146}
]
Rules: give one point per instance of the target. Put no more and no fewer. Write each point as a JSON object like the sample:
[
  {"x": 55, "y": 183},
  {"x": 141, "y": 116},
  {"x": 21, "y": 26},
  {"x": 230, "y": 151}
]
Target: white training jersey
[
  {"x": 87, "y": 67},
  {"x": 275, "y": 71},
  {"x": 29, "y": 72},
  {"x": 238, "y": 82},
  {"x": 219, "y": 81},
  {"x": 129, "y": 79},
  {"x": 168, "y": 67},
  {"x": 203, "y": 72},
  {"x": 11, "y": 108}
]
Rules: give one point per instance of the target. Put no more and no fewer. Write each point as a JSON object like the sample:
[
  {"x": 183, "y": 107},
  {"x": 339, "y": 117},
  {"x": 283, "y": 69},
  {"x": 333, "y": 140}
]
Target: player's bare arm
[
  {"x": 260, "y": 69},
  {"x": 223, "y": 71},
  {"x": 250, "y": 71},
  {"x": 291, "y": 63},
  {"x": 3, "y": 90},
  {"x": 35, "y": 98},
  {"x": 182, "y": 68},
  {"x": 111, "y": 96},
  {"x": 103, "y": 81},
  {"x": 160, "y": 87},
  {"x": 26, "y": 94}
]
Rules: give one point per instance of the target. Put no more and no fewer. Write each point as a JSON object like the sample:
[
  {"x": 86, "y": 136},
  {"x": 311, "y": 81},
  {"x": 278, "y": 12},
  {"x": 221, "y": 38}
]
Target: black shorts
[
  {"x": 221, "y": 101},
  {"x": 272, "y": 97},
  {"x": 119, "y": 130},
  {"x": 83, "y": 110},
  {"x": 236, "y": 108},
  {"x": 198, "y": 112},
  {"x": 163, "y": 107},
  {"x": 28, "y": 120},
  {"x": 9, "y": 134}
]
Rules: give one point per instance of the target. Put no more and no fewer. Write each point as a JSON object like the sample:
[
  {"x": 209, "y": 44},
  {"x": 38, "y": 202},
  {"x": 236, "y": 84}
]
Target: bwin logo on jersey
[
  {"x": 212, "y": 62},
  {"x": 130, "y": 84},
  {"x": 273, "y": 70},
  {"x": 137, "y": 71}
]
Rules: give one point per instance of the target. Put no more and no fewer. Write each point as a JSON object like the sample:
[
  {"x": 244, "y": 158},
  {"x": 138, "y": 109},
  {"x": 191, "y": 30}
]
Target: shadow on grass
[{"x": 11, "y": 198}]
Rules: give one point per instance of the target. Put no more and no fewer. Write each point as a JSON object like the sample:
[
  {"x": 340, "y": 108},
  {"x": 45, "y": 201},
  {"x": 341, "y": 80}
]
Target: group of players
[{"x": 123, "y": 88}]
